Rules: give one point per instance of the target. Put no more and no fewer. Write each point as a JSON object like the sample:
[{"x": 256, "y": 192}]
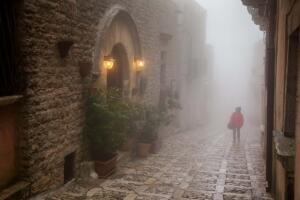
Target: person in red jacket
[{"x": 236, "y": 123}]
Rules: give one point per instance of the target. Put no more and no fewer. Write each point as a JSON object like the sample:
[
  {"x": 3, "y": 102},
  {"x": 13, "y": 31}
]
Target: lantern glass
[
  {"x": 140, "y": 64},
  {"x": 108, "y": 62}
]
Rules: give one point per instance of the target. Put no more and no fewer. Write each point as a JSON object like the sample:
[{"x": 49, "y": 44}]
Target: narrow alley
[
  {"x": 196, "y": 165},
  {"x": 143, "y": 99}
]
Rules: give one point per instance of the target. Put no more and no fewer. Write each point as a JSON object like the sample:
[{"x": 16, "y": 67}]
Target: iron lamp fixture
[
  {"x": 108, "y": 62},
  {"x": 139, "y": 64}
]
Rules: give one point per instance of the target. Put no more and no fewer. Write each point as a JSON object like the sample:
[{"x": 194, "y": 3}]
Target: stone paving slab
[{"x": 195, "y": 165}]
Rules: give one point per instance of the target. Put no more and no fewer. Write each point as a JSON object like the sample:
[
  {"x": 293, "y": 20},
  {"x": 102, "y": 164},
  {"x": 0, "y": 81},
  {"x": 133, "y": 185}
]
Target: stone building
[
  {"x": 169, "y": 50},
  {"x": 257, "y": 85},
  {"x": 56, "y": 48},
  {"x": 281, "y": 21},
  {"x": 209, "y": 85},
  {"x": 193, "y": 70},
  {"x": 59, "y": 41}
]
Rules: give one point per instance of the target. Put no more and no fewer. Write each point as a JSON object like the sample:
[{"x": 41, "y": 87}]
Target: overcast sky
[{"x": 232, "y": 33}]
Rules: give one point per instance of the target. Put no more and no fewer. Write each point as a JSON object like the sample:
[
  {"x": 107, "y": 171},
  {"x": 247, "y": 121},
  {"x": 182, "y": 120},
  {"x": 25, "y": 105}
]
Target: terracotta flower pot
[
  {"x": 106, "y": 168},
  {"x": 143, "y": 150}
]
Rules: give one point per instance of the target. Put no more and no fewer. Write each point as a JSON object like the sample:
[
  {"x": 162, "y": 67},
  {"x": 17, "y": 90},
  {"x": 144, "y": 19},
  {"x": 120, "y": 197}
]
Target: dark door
[{"x": 117, "y": 76}]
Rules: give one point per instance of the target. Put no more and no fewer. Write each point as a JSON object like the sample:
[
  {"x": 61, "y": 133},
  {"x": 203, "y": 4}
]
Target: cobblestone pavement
[{"x": 193, "y": 165}]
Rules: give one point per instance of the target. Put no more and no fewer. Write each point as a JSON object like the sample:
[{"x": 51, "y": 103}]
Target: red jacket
[{"x": 237, "y": 120}]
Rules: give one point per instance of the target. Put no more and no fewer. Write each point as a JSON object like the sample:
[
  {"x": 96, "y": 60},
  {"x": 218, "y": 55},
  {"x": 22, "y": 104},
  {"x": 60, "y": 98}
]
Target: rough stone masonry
[{"x": 52, "y": 113}]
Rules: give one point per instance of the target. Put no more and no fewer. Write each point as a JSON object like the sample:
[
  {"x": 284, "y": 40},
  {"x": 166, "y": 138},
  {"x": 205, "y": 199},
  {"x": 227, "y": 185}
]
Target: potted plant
[
  {"x": 168, "y": 113},
  {"x": 159, "y": 118},
  {"x": 135, "y": 120},
  {"x": 149, "y": 133},
  {"x": 106, "y": 124}
]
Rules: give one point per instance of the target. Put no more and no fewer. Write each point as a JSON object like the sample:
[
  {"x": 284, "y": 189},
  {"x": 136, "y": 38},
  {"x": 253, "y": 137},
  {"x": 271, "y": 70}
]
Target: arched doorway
[
  {"x": 118, "y": 76},
  {"x": 119, "y": 40}
]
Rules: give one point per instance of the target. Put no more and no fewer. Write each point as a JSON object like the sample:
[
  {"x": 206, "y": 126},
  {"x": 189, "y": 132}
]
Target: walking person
[{"x": 236, "y": 123}]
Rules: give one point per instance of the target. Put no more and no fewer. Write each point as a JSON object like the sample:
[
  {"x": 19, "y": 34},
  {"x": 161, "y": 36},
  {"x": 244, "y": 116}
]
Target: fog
[{"x": 238, "y": 60}]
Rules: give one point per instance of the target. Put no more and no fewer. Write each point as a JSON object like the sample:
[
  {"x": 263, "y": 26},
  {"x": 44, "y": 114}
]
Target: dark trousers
[{"x": 236, "y": 134}]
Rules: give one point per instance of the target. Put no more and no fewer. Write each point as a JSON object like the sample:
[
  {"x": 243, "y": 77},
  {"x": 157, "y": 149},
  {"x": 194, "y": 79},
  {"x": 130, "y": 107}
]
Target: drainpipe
[{"x": 270, "y": 85}]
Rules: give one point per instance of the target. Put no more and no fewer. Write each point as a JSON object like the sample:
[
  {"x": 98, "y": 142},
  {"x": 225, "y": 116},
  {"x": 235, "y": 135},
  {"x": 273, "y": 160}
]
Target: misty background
[{"x": 238, "y": 70}]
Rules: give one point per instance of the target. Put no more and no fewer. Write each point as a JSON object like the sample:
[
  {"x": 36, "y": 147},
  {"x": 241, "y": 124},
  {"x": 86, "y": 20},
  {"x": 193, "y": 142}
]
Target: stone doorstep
[{"x": 18, "y": 191}]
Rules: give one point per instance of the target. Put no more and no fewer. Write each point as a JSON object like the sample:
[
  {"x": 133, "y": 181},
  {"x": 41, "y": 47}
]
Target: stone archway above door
[{"x": 117, "y": 28}]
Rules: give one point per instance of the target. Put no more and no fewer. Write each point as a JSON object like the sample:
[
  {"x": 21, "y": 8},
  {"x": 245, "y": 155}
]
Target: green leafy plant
[
  {"x": 136, "y": 114},
  {"x": 173, "y": 102},
  {"x": 168, "y": 113},
  {"x": 151, "y": 125},
  {"x": 106, "y": 123}
]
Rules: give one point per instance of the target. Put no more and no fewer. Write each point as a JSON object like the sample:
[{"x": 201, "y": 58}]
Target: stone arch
[{"x": 117, "y": 29}]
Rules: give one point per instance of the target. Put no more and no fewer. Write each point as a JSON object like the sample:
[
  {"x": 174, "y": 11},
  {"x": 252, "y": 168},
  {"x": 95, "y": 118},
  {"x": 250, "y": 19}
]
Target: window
[{"x": 9, "y": 60}]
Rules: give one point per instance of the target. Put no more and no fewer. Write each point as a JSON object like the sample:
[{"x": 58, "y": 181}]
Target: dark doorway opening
[
  {"x": 290, "y": 188},
  {"x": 69, "y": 167},
  {"x": 291, "y": 86},
  {"x": 118, "y": 76},
  {"x": 291, "y": 101}
]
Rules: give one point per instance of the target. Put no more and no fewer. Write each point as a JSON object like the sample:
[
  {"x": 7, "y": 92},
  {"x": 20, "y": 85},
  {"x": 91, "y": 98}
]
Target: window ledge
[{"x": 8, "y": 100}]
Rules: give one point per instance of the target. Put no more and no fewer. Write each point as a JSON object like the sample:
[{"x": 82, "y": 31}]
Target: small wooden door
[{"x": 8, "y": 145}]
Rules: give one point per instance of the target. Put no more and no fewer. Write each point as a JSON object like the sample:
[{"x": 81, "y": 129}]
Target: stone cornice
[{"x": 259, "y": 12}]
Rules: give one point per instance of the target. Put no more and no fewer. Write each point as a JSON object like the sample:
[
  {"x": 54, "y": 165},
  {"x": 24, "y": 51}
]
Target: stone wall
[
  {"x": 191, "y": 70},
  {"x": 53, "y": 111},
  {"x": 286, "y": 100},
  {"x": 169, "y": 42}
]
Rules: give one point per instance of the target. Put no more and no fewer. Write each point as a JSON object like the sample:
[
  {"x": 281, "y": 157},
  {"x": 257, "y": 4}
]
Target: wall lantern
[
  {"x": 139, "y": 64},
  {"x": 108, "y": 62}
]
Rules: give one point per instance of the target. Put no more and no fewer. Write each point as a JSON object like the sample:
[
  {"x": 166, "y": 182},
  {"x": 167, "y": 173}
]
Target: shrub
[
  {"x": 106, "y": 123},
  {"x": 151, "y": 125}
]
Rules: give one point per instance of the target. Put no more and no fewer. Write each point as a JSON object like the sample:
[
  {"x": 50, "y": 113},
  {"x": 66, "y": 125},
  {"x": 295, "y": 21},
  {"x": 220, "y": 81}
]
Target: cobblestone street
[{"x": 194, "y": 165}]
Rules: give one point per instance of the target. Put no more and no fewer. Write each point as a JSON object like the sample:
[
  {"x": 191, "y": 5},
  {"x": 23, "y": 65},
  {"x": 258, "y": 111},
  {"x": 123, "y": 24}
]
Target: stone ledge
[
  {"x": 7, "y": 100},
  {"x": 285, "y": 150},
  {"x": 284, "y": 146},
  {"x": 18, "y": 191}
]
